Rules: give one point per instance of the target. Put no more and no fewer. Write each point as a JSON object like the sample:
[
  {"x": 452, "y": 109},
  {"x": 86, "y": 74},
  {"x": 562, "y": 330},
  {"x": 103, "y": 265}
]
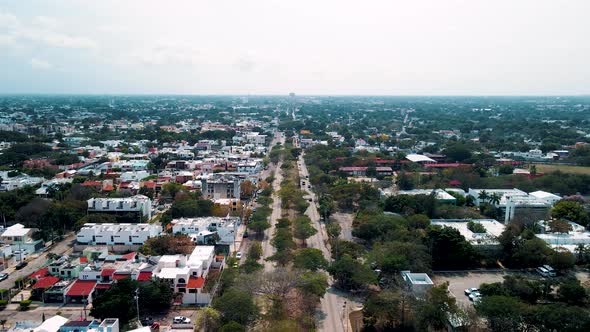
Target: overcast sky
[{"x": 388, "y": 47}]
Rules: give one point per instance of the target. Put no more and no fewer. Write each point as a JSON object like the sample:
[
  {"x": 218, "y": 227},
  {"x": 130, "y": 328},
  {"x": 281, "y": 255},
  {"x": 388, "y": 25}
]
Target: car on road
[
  {"x": 468, "y": 291},
  {"x": 21, "y": 265},
  {"x": 246, "y": 235},
  {"x": 3, "y": 276},
  {"x": 181, "y": 320},
  {"x": 239, "y": 255}
]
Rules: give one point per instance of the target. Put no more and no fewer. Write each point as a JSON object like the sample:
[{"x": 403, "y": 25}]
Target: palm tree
[
  {"x": 495, "y": 198},
  {"x": 483, "y": 196}
]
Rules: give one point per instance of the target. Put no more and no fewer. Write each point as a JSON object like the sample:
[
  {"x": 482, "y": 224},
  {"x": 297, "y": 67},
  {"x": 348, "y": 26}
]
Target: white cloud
[
  {"x": 46, "y": 22},
  {"x": 8, "y": 20},
  {"x": 7, "y": 40},
  {"x": 42, "y": 30},
  {"x": 40, "y": 64}
]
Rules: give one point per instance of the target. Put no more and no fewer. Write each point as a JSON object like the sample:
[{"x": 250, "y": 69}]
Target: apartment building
[
  {"x": 219, "y": 186},
  {"x": 203, "y": 229},
  {"x": 139, "y": 204},
  {"x": 117, "y": 234}
]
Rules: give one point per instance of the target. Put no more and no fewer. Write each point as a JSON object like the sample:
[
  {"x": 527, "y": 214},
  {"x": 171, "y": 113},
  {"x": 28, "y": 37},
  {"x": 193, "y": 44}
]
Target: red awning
[
  {"x": 45, "y": 282},
  {"x": 81, "y": 288},
  {"x": 83, "y": 260},
  {"x": 121, "y": 276},
  {"x": 103, "y": 286},
  {"x": 196, "y": 282},
  {"x": 107, "y": 272},
  {"x": 144, "y": 276}
]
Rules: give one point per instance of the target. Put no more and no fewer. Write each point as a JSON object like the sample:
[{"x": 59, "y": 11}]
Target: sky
[{"x": 320, "y": 47}]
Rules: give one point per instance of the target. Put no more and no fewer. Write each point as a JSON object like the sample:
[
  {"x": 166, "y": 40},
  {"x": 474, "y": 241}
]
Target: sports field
[{"x": 544, "y": 168}]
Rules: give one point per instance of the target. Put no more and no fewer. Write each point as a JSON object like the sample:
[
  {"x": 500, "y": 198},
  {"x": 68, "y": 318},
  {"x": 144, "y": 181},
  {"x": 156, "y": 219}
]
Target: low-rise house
[
  {"x": 138, "y": 204},
  {"x": 21, "y": 238},
  {"x": 186, "y": 275}
]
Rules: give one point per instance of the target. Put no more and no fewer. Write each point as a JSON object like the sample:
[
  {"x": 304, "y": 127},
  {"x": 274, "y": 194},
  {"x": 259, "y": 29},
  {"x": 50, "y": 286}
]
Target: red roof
[
  {"x": 103, "y": 286},
  {"x": 39, "y": 273},
  {"x": 81, "y": 288},
  {"x": 196, "y": 282},
  {"x": 83, "y": 259},
  {"x": 129, "y": 256},
  {"x": 144, "y": 276},
  {"x": 92, "y": 184},
  {"x": 120, "y": 276},
  {"x": 45, "y": 282},
  {"x": 107, "y": 272},
  {"x": 443, "y": 165}
]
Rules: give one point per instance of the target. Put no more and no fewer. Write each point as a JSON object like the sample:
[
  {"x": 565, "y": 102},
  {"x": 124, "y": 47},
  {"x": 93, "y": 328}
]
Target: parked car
[
  {"x": 475, "y": 296},
  {"x": 21, "y": 265},
  {"x": 471, "y": 290},
  {"x": 3, "y": 276},
  {"x": 239, "y": 255},
  {"x": 181, "y": 320}
]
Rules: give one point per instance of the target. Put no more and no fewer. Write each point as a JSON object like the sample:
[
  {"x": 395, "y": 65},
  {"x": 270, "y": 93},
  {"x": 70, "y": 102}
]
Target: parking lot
[{"x": 460, "y": 281}]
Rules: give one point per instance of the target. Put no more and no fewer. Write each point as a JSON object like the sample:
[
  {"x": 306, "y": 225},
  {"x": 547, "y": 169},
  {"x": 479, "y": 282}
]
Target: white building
[
  {"x": 18, "y": 182},
  {"x": 221, "y": 186},
  {"x": 439, "y": 194},
  {"x": 577, "y": 236},
  {"x": 187, "y": 274},
  {"x": 419, "y": 283},
  {"x": 493, "y": 230},
  {"x": 201, "y": 228},
  {"x": 250, "y": 167},
  {"x": 117, "y": 234},
  {"x": 139, "y": 204},
  {"x": 516, "y": 203}
]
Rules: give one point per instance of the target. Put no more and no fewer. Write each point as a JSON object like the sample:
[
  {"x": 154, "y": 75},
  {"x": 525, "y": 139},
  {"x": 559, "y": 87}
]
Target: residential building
[
  {"x": 138, "y": 204},
  {"x": 203, "y": 229},
  {"x": 117, "y": 234},
  {"x": 219, "y": 186},
  {"x": 186, "y": 275}
]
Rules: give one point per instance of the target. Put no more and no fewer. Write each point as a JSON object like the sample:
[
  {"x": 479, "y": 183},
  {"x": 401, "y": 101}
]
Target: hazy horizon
[{"x": 268, "y": 48}]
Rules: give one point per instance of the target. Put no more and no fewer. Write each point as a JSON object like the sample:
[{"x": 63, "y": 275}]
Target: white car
[
  {"x": 471, "y": 290},
  {"x": 475, "y": 296},
  {"x": 181, "y": 320},
  {"x": 239, "y": 255}
]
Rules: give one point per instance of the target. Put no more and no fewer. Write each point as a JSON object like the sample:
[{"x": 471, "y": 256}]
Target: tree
[
  {"x": 561, "y": 260},
  {"x": 351, "y": 274},
  {"x": 258, "y": 226},
  {"x": 530, "y": 253},
  {"x": 457, "y": 152},
  {"x": 506, "y": 169},
  {"x": 237, "y": 306},
  {"x": 255, "y": 250},
  {"x": 247, "y": 188},
  {"x": 303, "y": 228},
  {"x": 167, "y": 245},
  {"x": 449, "y": 248},
  {"x": 560, "y": 317},
  {"x": 435, "y": 309},
  {"x": 504, "y": 313},
  {"x": 209, "y": 320},
  {"x": 384, "y": 311},
  {"x": 118, "y": 301},
  {"x": 404, "y": 181},
  {"x": 483, "y": 196},
  {"x": 570, "y": 210},
  {"x": 313, "y": 284},
  {"x": 310, "y": 259},
  {"x": 559, "y": 226},
  {"x": 571, "y": 292}
]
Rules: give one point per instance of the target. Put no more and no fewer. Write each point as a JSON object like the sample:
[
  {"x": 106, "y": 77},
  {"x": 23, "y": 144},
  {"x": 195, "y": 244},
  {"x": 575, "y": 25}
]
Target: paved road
[
  {"x": 35, "y": 263},
  {"x": 334, "y": 307}
]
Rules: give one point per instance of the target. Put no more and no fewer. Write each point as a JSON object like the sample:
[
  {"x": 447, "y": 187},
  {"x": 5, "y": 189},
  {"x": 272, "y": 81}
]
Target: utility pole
[{"x": 137, "y": 304}]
